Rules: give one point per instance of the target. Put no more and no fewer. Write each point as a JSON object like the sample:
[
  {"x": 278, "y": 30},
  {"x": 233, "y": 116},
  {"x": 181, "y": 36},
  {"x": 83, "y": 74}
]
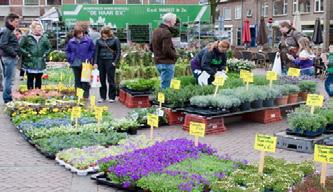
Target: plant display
[
  {"x": 140, "y": 115},
  {"x": 235, "y": 65},
  {"x": 328, "y": 114},
  {"x": 123, "y": 125},
  {"x": 308, "y": 86},
  {"x": 284, "y": 79},
  {"x": 150, "y": 160},
  {"x": 312, "y": 184},
  {"x": 292, "y": 89},
  {"x": 219, "y": 101},
  {"x": 59, "y": 75},
  {"x": 260, "y": 80},
  {"x": 57, "y": 56},
  {"x": 46, "y": 91},
  {"x": 83, "y": 158},
  {"x": 259, "y": 92},
  {"x": 140, "y": 84}
]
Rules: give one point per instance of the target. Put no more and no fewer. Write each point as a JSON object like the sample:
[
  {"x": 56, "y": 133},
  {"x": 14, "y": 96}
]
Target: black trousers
[
  {"x": 37, "y": 77},
  {"x": 78, "y": 84},
  {"x": 107, "y": 70},
  {"x": 22, "y": 72}
]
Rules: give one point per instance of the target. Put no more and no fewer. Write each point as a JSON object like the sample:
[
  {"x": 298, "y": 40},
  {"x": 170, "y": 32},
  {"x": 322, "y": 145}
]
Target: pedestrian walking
[
  {"x": 35, "y": 48},
  {"x": 107, "y": 56},
  {"x": 80, "y": 49},
  {"x": 165, "y": 54},
  {"x": 9, "y": 52}
]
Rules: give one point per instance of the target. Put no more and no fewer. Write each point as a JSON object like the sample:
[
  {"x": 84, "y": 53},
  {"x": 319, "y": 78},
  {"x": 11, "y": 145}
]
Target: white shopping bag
[
  {"x": 95, "y": 81},
  {"x": 277, "y": 67},
  {"x": 203, "y": 78}
]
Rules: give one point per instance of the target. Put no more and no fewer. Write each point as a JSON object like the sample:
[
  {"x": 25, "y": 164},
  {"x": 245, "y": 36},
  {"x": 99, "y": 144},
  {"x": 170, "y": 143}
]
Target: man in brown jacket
[{"x": 165, "y": 54}]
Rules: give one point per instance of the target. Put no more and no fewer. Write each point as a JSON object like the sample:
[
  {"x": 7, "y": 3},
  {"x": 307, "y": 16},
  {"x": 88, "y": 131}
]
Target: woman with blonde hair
[
  {"x": 210, "y": 61},
  {"x": 107, "y": 56}
]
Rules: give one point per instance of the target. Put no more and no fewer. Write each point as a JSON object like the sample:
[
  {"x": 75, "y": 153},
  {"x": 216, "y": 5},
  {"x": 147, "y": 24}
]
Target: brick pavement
[{"x": 23, "y": 169}]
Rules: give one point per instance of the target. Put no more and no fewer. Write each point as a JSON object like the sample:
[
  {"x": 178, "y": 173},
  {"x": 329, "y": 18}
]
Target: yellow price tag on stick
[
  {"x": 219, "y": 81},
  {"x": 271, "y": 76},
  {"x": 265, "y": 143},
  {"x": 248, "y": 77},
  {"x": 323, "y": 154},
  {"x": 242, "y": 73},
  {"x": 152, "y": 120},
  {"x": 161, "y": 97},
  {"x": 294, "y": 72},
  {"x": 197, "y": 129},
  {"x": 315, "y": 100},
  {"x": 99, "y": 113},
  {"x": 79, "y": 93},
  {"x": 175, "y": 84},
  {"x": 92, "y": 101},
  {"x": 76, "y": 112}
]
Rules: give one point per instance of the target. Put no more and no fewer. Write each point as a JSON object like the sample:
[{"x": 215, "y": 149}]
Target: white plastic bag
[
  {"x": 203, "y": 78},
  {"x": 95, "y": 81},
  {"x": 277, "y": 67}
]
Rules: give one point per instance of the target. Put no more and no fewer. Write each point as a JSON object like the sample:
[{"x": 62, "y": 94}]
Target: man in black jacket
[{"x": 9, "y": 51}]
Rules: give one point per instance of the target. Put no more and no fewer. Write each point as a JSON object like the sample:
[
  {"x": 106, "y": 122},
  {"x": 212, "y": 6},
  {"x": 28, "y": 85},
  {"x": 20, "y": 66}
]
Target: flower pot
[
  {"x": 293, "y": 98},
  {"x": 303, "y": 95},
  {"x": 233, "y": 109},
  {"x": 305, "y": 133},
  {"x": 329, "y": 128},
  {"x": 245, "y": 106},
  {"x": 132, "y": 131},
  {"x": 268, "y": 102},
  {"x": 256, "y": 104},
  {"x": 281, "y": 100}
]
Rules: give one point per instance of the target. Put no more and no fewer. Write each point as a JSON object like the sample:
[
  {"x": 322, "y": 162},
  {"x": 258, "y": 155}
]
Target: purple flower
[
  {"x": 126, "y": 184},
  {"x": 185, "y": 187}
]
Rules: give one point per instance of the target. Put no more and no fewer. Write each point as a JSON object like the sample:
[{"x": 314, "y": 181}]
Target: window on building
[
  {"x": 319, "y": 6},
  {"x": 238, "y": 12},
  {"x": 303, "y": 6},
  {"x": 83, "y": 2},
  {"x": 134, "y": 1},
  {"x": 53, "y": 2},
  {"x": 4, "y": 2},
  {"x": 280, "y": 7},
  {"x": 156, "y": 1},
  {"x": 239, "y": 36},
  {"x": 227, "y": 13},
  {"x": 264, "y": 9},
  {"x": 31, "y": 2},
  {"x": 105, "y": 1}
]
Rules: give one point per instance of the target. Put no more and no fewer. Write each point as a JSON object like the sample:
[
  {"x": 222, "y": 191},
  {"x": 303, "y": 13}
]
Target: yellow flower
[
  {"x": 14, "y": 114},
  {"x": 55, "y": 110}
]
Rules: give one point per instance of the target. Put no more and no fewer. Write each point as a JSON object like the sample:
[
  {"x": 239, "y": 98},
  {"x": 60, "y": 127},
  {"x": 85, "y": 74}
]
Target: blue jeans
[
  {"x": 8, "y": 72},
  {"x": 329, "y": 85},
  {"x": 166, "y": 73},
  {"x": 307, "y": 71}
]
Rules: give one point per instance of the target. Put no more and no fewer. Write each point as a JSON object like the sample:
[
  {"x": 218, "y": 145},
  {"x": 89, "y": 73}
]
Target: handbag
[
  {"x": 86, "y": 72},
  {"x": 277, "y": 68}
]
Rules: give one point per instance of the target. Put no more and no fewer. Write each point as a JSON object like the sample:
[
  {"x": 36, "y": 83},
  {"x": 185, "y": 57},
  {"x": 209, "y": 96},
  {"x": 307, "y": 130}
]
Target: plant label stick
[
  {"x": 161, "y": 98},
  {"x": 271, "y": 76},
  {"x": 264, "y": 143},
  {"x": 197, "y": 130},
  {"x": 76, "y": 114},
  {"x": 219, "y": 81},
  {"x": 99, "y": 114},
  {"x": 175, "y": 84},
  {"x": 294, "y": 72},
  {"x": 152, "y": 120},
  {"x": 79, "y": 94},
  {"x": 92, "y": 102},
  {"x": 324, "y": 155}
]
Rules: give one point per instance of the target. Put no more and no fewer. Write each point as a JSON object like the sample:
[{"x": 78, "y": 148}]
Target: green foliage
[
  {"x": 219, "y": 101},
  {"x": 235, "y": 65},
  {"x": 292, "y": 89},
  {"x": 57, "y": 56},
  {"x": 260, "y": 80},
  {"x": 308, "y": 86},
  {"x": 124, "y": 124},
  {"x": 140, "y": 115},
  {"x": 140, "y": 84}
]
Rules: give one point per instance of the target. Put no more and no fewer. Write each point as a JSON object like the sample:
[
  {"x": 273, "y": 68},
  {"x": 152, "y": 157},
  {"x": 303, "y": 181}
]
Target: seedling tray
[
  {"x": 75, "y": 170},
  {"x": 102, "y": 180}
]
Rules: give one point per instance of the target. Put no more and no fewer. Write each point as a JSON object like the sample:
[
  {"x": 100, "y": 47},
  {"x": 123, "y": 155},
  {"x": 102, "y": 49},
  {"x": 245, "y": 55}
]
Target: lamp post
[{"x": 270, "y": 32}]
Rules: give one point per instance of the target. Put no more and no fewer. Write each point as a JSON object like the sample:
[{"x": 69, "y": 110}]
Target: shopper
[
  {"x": 210, "y": 61},
  {"x": 79, "y": 49},
  {"x": 107, "y": 56},
  {"x": 9, "y": 51},
  {"x": 304, "y": 60},
  {"x": 329, "y": 80},
  {"x": 35, "y": 48},
  {"x": 165, "y": 54},
  {"x": 288, "y": 44}
]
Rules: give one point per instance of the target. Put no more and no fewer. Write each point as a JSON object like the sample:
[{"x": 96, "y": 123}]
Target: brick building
[
  {"x": 235, "y": 11},
  {"x": 30, "y": 9}
]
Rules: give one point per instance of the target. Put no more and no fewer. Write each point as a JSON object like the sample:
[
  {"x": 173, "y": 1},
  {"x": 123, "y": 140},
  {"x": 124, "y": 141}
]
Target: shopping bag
[
  {"x": 95, "y": 81},
  {"x": 277, "y": 67},
  {"x": 86, "y": 72}
]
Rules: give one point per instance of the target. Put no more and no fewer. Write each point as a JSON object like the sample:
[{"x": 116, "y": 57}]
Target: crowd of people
[{"x": 103, "y": 50}]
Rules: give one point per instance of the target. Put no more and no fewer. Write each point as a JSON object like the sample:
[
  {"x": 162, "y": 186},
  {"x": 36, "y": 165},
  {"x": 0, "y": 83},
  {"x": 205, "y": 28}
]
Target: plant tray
[
  {"x": 296, "y": 143},
  {"x": 308, "y": 134},
  {"x": 137, "y": 101},
  {"x": 139, "y": 93},
  {"x": 75, "y": 170},
  {"x": 102, "y": 180},
  {"x": 122, "y": 96},
  {"x": 46, "y": 154},
  {"x": 174, "y": 117},
  {"x": 264, "y": 116},
  {"x": 205, "y": 111},
  {"x": 214, "y": 125}
]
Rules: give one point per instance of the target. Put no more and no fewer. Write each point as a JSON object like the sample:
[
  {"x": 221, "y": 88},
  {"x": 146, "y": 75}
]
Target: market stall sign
[
  {"x": 265, "y": 143},
  {"x": 294, "y": 72}
]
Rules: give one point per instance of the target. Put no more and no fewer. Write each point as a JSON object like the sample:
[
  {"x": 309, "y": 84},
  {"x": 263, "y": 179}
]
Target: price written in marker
[
  {"x": 219, "y": 81},
  {"x": 197, "y": 129},
  {"x": 242, "y": 73},
  {"x": 175, "y": 84},
  {"x": 315, "y": 100},
  {"x": 161, "y": 97},
  {"x": 152, "y": 120},
  {"x": 323, "y": 154},
  {"x": 248, "y": 77},
  {"x": 271, "y": 76},
  {"x": 294, "y": 72},
  {"x": 265, "y": 143},
  {"x": 99, "y": 113}
]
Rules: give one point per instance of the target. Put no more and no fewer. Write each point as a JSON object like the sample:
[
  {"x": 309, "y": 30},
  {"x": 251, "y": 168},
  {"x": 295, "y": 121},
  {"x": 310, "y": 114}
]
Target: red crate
[
  {"x": 264, "y": 116},
  {"x": 122, "y": 96},
  {"x": 174, "y": 117},
  {"x": 137, "y": 101},
  {"x": 214, "y": 125}
]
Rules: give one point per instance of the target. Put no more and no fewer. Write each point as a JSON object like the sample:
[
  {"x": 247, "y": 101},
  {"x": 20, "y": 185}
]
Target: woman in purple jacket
[{"x": 79, "y": 49}]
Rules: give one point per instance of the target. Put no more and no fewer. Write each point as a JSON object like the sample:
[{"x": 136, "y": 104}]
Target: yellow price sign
[
  {"x": 315, "y": 100},
  {"x": 61, "y": 77},
  {"x": 161, "y": 97},
  {"x": 271, "y": 76},
  {"x": 323, "y": 154},
  {"x": 152, "y": 120},
  {"x": 175, "y": 84},
  {"x": 99, "y": 113},
  {"x": 265, "y": 143},
  {"x": 92, "y": 101},
  {"x": 242, "y": 73},
  {"x": 76, "y": 112},
  {"x": 227, "y": 69},
  {"x": 294, "y": 72},
  {"x": 197, "y": 129},
  {"x": 248, "y": 77},
  {"x": 79, "y": 93},
  {"x": 219, "y": 81}
]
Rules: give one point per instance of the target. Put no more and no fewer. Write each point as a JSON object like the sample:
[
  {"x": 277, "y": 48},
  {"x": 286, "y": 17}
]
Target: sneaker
[
  {"x": 111, "y": 100},
  {"x": 101, "y": 101}
]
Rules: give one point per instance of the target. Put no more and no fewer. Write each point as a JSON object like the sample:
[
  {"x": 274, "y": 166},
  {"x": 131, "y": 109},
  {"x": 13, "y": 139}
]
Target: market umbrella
[
  {"x": 317, "y": 36},
  {"x": 246, "y": 35},
  {"x": 262, "y": 35},
  {"x": 297, "y": 21}
]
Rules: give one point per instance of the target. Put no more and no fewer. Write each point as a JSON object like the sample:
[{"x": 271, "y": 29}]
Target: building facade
[{"x": 235, "y": 12}]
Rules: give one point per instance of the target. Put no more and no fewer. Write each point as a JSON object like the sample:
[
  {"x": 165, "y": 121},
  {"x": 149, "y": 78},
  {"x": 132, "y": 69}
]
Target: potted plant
[
  {"x": 259, "y": 95},
  {"x": 282, "y": 98},
  {"x": 272, "y": 94},
  {"x": 293, "y": 91},
  {"x": 227, "y": 102},
  {"x": 303, "y": 123},
  {"x": 307, "y": 87},
  {"x": 245, "y": 97},
  {"x": 328, "y": 114}
]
